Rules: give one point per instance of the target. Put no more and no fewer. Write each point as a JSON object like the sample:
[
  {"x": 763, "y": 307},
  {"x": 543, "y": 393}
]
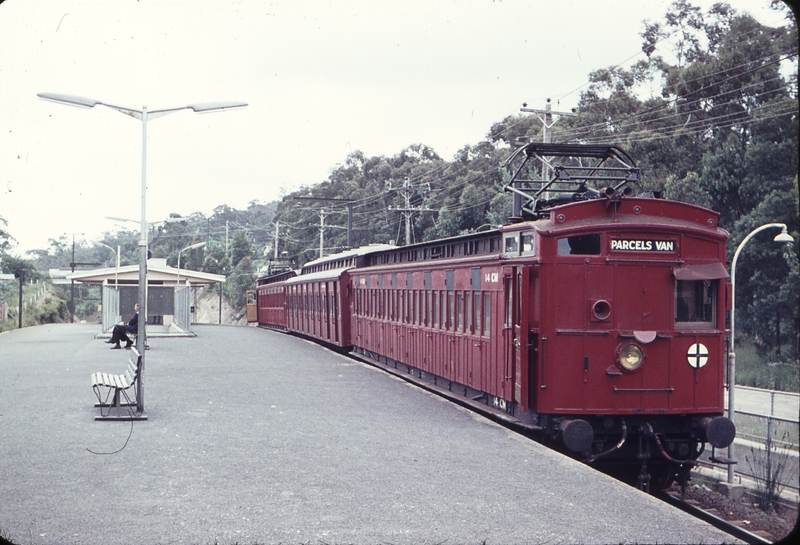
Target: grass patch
[{"x": 758, "y": 372}]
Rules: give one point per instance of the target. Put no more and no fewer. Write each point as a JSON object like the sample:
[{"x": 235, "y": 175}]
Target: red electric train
[{"x": 595, "y": 319}]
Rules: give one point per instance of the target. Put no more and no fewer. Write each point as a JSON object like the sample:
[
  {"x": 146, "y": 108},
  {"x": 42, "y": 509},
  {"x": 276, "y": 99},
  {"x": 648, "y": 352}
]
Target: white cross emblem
[{"x": 697, "y": 355}]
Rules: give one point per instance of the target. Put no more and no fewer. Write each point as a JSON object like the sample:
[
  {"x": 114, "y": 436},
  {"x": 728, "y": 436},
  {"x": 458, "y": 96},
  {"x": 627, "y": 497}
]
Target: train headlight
[{"x": 630, "y": 357}]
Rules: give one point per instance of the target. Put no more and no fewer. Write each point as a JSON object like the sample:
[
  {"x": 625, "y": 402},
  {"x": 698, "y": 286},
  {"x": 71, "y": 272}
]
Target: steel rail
[{"x": 718, "y": 522}]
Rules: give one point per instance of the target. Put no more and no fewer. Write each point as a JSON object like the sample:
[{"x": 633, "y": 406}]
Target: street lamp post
[
  {"x": 144, "y": 114},
  {"x": 192, "y": 247},
  {"x": 784, "y": 236},
  {"x": 116, "y": 253},
  {"x": 106, "y": 303}
]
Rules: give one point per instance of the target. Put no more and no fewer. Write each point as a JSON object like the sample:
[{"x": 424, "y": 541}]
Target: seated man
[{"x": 121, "y": 331}]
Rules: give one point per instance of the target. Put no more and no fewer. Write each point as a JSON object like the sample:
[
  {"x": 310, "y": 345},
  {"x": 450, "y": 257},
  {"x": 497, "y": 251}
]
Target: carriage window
[
  {"x": 459, "y": 324},
  {"x": 428, "y": 310},
  {"x": 487, "y": 312},
  {"x": 450, "y": 314},
  {"x": 469, "y": 320},
  {"x": 579, "y": 245},
  {"x": 476, "y": 313},
  {"x": 695, "y": 302}
]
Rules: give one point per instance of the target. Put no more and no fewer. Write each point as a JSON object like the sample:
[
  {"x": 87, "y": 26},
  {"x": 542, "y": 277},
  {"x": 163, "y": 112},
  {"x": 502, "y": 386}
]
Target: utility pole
[
  {"x": 72, "y": 266},
  {"x": 407, "y": 191},
  {"x": 21, "y": 283},
  {"x": 321, "y": 232},
  {"x": 547, "y": 137},
  {"x": 349, "y": 205},
  {"x": 277, "y": 229}
]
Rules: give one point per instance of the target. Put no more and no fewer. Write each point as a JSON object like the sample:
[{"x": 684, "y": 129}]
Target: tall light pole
[
  {"x": 144, "y": 114},
  {"x": 192, "y": 247},
  {"x": 783, "y": 236},
  {"x": 151, "y": 224}
]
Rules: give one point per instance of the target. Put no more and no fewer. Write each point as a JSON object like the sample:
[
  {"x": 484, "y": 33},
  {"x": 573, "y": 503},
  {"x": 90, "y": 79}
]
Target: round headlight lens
[{"x": 630, "y": 357}]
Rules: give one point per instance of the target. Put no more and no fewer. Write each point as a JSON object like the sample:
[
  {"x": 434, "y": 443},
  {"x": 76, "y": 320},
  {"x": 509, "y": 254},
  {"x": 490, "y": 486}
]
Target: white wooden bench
[{"x": 118, "y": 386}]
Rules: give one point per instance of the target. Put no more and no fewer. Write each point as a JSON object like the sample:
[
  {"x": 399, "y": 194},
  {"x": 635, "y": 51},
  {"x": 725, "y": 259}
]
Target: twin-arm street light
[
  {"x": 151, "y": 224},
  {"x": 192, "y": 247},
  {"x": 783, "y": 236},
  {"x": 116, "y": 253},
  {"x": 144, "y": 114}
]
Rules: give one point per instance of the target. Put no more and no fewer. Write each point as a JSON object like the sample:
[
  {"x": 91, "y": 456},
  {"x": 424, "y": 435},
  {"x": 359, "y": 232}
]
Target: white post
[
  {"x": 782, "y": 237},
  {"x": 141, "y": 339}
]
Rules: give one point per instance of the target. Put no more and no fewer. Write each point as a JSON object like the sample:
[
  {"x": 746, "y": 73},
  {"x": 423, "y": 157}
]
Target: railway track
[
  {"x": 501, "y": 418},
  {"x": 726, "y": 526}
]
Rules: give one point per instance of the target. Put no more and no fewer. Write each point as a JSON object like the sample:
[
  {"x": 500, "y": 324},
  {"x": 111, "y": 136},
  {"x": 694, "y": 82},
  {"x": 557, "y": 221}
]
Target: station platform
[{"x": 258, "y": 437}]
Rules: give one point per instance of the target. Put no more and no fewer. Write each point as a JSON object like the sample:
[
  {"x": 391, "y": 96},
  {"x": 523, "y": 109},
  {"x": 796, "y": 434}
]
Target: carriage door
[
  {"x": 515, "y": 327},
  {"x": 252, "y": 306},
  {"x": 522, "y": 335}
]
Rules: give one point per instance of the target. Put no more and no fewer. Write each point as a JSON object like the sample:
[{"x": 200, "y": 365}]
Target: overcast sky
[{"x": 322, "y": 79}]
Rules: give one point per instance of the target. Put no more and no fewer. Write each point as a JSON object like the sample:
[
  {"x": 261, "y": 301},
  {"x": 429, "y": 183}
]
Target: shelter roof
[{"x": 157, "y": 273}]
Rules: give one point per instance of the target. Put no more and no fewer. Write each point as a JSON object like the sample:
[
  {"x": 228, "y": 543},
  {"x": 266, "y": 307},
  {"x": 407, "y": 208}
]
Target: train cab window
[
  {"x": 511, "y": 243},
  {"x": 695, "y": 302},
  {"x": 527, "y": 242},
  {"x": 580, "y": 245}
]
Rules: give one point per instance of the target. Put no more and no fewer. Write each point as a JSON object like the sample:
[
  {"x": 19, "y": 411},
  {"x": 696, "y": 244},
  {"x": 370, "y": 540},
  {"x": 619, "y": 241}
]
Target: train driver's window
[
  {"x": 527, "y": 242},
  {"x": 695, "y": 302},
  {"x": 511, "y": 244},
  {"x": 580, "y": 245}
]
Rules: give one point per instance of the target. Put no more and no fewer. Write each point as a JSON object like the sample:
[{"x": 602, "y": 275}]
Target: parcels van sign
[{"x": 641, "y": 245}]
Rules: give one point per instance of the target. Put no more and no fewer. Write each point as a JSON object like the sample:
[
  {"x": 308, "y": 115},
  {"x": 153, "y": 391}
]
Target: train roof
[
  {"x": 346, "y": 254},
  {"x": 629, "y": 212},
  {"x": 328, "y": 274},
  {"x": 277, "y": 277},
  {"x": 614, "y": 212}
]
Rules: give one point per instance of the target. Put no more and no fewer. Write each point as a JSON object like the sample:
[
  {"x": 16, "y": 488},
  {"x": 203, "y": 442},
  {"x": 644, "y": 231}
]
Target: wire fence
[
  {"x": 768, "y": 440},
  {"x": 756, "y": 428}
]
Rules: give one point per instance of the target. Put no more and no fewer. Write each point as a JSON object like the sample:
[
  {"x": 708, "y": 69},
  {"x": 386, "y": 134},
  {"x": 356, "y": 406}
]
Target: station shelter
[{"x": 170, "y": 293}]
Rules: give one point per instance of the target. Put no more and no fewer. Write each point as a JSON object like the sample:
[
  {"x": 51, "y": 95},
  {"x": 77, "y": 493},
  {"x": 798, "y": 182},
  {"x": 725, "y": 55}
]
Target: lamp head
[
  {"x": 784, "y": 236},
  {"x": 207, "y": 107},
  {"x": 70, "y": 100}
]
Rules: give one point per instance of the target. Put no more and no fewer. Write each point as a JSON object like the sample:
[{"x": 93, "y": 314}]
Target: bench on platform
[{"x": 117, "y": 387}]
